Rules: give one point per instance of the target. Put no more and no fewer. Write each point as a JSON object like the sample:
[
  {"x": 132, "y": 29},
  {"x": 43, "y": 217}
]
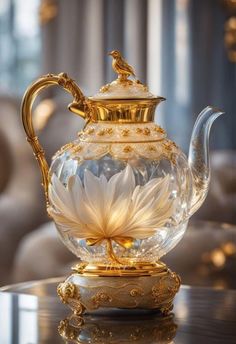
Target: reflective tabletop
[{"x": 31, "y": 313}]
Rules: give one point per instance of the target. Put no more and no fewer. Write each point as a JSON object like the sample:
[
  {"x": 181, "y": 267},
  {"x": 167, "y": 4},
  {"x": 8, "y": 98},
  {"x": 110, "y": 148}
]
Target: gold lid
[
  {"x": 124, "y": 100},
  {"x": 123, "y": 87}
]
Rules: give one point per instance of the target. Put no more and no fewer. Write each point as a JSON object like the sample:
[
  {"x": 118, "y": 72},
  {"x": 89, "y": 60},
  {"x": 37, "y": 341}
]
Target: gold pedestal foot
[
  {"x": 69, "y": 294},
  {"x": 127, "y": 288}
]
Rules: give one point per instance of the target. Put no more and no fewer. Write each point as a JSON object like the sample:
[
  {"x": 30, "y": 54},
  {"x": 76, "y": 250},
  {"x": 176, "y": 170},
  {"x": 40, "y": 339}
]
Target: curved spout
[{"x": 199, "y": 155}]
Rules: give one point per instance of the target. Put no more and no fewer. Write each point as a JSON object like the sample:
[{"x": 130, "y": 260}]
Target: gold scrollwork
[
  {"x": 125, "y": 132},
  {"x": 66, "y": 291},
  {"x": 136, "y": 292},
  {"x": 79, "y": 268},
  {"x": 101, "y": 298},
  {"x": 165, "y": 290},
  {"x": 69, "y": 294},
  {"x": 127, "y": 149}
]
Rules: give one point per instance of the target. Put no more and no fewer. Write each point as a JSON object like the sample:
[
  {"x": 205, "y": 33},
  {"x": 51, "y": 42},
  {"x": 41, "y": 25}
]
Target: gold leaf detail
[
  {"x": 167, "y": 146},
  {"x": 77, "y": 149},
  {"x": 79, "y": 268},
  {"x": 63, "y": 149},
  {"x": 100, "y": 298},
  {"x": 101, "y": 132},
  {"x": 90, "y": 131},
  {"x": 152, "y": 148},
  {"x": 127, "y": 149},
  {"x": 104, "y": 88},
  {"x": 109, "y": 131},
  {"x": 158, "y": 129},
  {"x": 146, "y": 131},
  {"x": 139, "y": 130},
  {"x": 125, "y": 132}
]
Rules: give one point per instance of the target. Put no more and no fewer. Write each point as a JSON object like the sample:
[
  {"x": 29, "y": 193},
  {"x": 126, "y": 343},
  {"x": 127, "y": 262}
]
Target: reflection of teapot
[
  {"x": 118, "y": 329},
  {"x": 121, "y": 194}
]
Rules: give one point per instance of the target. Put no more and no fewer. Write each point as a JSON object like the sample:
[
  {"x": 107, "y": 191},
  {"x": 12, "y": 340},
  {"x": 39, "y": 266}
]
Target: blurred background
[{"x": 185, "y": 50}]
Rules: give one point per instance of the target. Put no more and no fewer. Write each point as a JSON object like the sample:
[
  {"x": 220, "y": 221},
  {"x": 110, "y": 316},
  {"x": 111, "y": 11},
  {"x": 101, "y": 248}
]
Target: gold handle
[{"x": 78, "y": 106}]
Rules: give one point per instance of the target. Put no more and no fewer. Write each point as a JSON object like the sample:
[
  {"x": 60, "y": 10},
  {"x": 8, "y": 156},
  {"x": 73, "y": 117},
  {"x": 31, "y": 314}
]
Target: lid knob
[
  {"x": 123, "y": 87},
  {"x": 120, "y": 66}
]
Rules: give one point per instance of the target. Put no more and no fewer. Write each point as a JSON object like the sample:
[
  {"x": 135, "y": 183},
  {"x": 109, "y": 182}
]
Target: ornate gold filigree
[
  {"x": 127, "y": 149},
  {"x": 89, "y": 131},
  {"x": 119, "y": 134},
  {"x": 152, "y": 148},
  {"x": 169, "y": 150},
  {"x": 64, "y": 148},
  {"x": 136, "y": 292},
  {"x": 154, "y": 291},
  {"x": 165, "y": 310},
  {"x": 101, "y": 298},
  {"x": 146, "y": 131},
  {"x": 101, "y": 132},
  {"x": 79, "y": 268},
  {"x": 165, "y": 290},
  {"x": 139, "y": 130},
  {"x": 69, "y": 294},
  {"x": 109, "y": 131},
  {"x": 66, "y": 291},
  {"x": 125, "y": 132}
]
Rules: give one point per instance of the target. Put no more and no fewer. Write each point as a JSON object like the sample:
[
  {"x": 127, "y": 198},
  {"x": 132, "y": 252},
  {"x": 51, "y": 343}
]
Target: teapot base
[{"x": 83, "y": 291}]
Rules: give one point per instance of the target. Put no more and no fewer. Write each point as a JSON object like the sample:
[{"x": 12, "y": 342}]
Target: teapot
[{"x": 121, "y": 194}]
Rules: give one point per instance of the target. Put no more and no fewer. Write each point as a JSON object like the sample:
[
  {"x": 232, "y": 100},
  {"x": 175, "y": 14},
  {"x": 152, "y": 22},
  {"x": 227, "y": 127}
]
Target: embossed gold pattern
[
  {"x": 69, "y": 294},
  {"x": 66, "y": 291},
  {"x": 100, "y": 298},
  {"x": 155, "y": 290}
]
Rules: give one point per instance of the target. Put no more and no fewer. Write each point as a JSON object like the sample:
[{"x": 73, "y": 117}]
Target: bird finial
[{"x": 120, "y": 66}]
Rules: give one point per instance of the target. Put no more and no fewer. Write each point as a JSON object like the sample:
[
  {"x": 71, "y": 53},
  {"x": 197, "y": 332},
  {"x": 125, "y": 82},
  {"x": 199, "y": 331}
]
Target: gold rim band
[
  {"x": 123, "y": 110},
  {"x": 117, "y": 270}
]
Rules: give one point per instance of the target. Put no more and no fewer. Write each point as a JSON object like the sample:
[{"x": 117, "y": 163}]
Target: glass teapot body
[{"x": 120, "y": 191}]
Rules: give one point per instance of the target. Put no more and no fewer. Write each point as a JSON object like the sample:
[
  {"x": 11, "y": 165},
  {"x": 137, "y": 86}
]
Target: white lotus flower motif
[{"x": 113, "y": 209}]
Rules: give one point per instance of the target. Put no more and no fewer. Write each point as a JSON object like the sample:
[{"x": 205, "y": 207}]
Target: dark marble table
[{"x": 31, "y": 313}]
